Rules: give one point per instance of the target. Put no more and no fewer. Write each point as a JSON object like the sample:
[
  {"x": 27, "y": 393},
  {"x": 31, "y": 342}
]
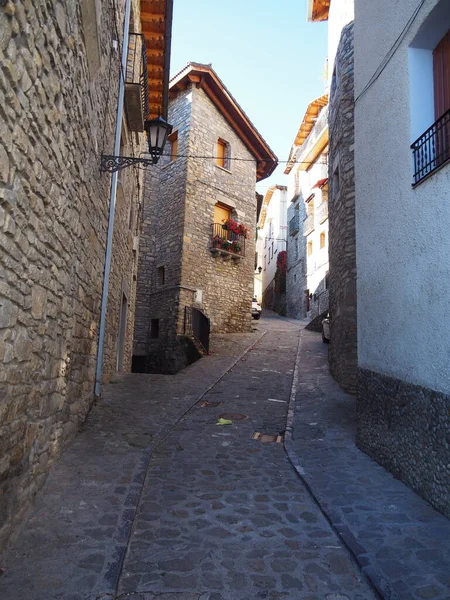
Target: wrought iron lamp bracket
[{"x": 111, "y": 164}]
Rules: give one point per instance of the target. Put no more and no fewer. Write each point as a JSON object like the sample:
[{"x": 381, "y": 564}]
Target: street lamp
[{"x": 157, "y": 130}]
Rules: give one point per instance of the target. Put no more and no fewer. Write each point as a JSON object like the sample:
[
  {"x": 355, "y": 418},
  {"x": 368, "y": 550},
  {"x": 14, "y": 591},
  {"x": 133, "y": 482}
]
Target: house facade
[
  {"x": 342, "y": 353},
  {"x": 270, "y": 243},
  {"x": 60, "y": 78},
  {"x": 193, "y": 252},
  {"x": 403, "y": 246},
  {"x": 307, "y": 255}
]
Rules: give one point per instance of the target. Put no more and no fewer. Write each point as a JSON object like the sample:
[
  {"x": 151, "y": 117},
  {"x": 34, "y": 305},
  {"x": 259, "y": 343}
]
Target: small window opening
[
  {"x": 161, "y": 276},
  {"x": 223, "y": 154},
  {"x": 336, "y": 182},
  {"x": 173, "y": 141},
  {"x": 154, "y": 329},
  {"x": 322, "y": 239},
  {"x": 310, "y": 248}
]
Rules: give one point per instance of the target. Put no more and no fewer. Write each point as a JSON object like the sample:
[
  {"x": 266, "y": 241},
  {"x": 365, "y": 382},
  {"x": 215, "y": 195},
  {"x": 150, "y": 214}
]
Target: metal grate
[{"x": 432, "y": 149}]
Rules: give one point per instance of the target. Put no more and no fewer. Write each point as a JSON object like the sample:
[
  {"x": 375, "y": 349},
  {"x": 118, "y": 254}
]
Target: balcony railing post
[{"x": 432, "y": 149}]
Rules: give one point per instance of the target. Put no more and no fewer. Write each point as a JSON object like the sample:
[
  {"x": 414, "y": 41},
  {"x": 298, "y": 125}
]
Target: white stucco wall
[
  {"x": 403, "y": 239},
  {"x": 276, "y": 214}
]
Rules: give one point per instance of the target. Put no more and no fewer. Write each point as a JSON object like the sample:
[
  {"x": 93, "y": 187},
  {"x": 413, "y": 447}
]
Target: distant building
[
  {"x": 307, "y": 249},
  {"x": 60, "y": 75},
  {"x": 402, "y": 164},
  {"x": 342, "y": 352},
  {"x": 271, "y": 242},
  {"x": 197, "y": 250}
]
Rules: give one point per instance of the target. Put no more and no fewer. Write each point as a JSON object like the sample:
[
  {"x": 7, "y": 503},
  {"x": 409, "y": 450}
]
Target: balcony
[
  {"x": 432, "y": 149},
  {"x": 136, "y": 83},
  {"x": 322, "y": 212},
  {"x": 226, "y": 243},
  {"x": 294, "y": 224},
  {"x": 308, "y": 225}
]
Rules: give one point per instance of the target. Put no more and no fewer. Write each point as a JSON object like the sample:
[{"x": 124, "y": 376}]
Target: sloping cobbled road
[
  {"x": 149, "y": 504},
  {"x": 223, "y": 516}
]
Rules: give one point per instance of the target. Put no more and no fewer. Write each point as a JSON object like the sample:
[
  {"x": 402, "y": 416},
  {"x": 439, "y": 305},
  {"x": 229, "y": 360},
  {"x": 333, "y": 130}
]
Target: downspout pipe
[{"x": 112, "y": 203}]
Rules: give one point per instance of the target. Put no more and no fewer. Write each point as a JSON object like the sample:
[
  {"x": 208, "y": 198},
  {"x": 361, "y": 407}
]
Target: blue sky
[{"x": 266, "y": 53}]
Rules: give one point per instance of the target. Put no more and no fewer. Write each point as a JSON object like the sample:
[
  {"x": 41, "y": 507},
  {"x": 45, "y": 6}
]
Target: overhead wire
[{"x": 390, "y": 53}]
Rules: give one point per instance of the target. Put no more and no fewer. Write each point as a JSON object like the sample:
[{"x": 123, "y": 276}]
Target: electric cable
[{"x": 390, "y": 53}]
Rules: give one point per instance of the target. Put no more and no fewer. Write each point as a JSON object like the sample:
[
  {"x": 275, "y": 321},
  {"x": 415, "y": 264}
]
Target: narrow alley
[{"x": 155, "y": 497}]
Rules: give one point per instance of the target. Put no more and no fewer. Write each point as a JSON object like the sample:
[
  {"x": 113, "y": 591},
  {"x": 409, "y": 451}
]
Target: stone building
[
  {"x": 58, "y": 101},
  {"x": 402, "y": 171},
  {"x": 342, "y": 352},
  {"x": 270, "y": 243},
  {"x": 187, "y": 259},
  {"x": 307, "y": 216}
]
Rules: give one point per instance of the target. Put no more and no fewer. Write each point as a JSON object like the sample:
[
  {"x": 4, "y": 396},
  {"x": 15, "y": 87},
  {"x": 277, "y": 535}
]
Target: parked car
[
  {"x": 326, "y": 329},
  {"x": 256, "y": 309}
]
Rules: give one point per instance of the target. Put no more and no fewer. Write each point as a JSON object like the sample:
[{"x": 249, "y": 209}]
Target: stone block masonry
[
  {"x": 58, "y": 92},
  {"x": 343, "y": 353},
  {"x": 405, "y": 428},
  {"x": 176, "y": 267}
]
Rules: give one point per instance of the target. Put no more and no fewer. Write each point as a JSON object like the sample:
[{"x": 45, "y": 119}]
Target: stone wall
[
  {"x": 226, "y": 285},
  {"x": 404, "y": 427},
  {"x": 177, "y": 228},
  {"x": 341, "y": 218},
  {"x": 160, "y": 249},
  {"x": 58, "y": 92}
]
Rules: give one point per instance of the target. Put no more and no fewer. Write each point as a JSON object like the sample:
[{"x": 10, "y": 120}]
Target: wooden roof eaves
[
  {"x": 205, "y": 77},
  {"x": 318, "y": 10}
]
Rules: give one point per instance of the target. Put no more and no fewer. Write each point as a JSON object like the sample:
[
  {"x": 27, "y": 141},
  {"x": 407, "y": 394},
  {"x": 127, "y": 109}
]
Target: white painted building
[
  {"x": 402, "y": 93},
  {"x": 271, "y": 241},
  {"x": 307, "y": 281}
]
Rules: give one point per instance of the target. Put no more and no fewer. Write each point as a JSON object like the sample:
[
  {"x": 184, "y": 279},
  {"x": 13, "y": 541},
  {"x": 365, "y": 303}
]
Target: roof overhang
[
  {"x": 317, "y": 10},
  {"x": 309, "y": 120},
  {"x": 204, "y": 77},
  {"x": 156, "y": 23}
]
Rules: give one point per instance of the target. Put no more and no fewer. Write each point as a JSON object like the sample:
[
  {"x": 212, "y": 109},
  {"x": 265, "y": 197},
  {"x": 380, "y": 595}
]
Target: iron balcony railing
[
  {"x": 197, "y": 325},
  {"x": 432, "y": 149},
  {"x": 294, "y": 224},
  {"x": 136, "y": 83},
  {"x": 226, "y": 241},
  {"x": 308, "y": 225},
  {"x": 322, "y": 212}
]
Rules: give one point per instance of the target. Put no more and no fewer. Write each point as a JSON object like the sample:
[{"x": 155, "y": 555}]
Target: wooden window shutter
[
  {"x": 441, "y": 74},
  {"x": 221, "y": 153}
]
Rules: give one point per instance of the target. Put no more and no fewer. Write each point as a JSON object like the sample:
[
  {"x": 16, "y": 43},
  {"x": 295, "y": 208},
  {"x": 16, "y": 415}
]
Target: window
[
  {"x": 173, "y": 141},
  {"x": 223, "y": 154},
  {"x": 295, "y": 277},
  {"x": 272, "y": 249},
  {"x": 310, "y": 248},
  {"x": 322, "y": 239},
  {"x": 336, "y": 182},
  {"x": 296, "y": 248},
  {"x": 429, "y": 92},
  {"x": 154, "y": 329},
  {"x": 161, "y": 275},
  {"x": 265, "y": 261}
]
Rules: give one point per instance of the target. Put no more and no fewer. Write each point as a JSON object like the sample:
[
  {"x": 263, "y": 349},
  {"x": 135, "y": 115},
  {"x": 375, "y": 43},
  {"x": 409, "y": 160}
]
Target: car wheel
[{"x": 257, "y": 317}]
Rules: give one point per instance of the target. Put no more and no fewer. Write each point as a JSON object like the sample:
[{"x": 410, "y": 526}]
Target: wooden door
[{"x": 221, "y": 213}]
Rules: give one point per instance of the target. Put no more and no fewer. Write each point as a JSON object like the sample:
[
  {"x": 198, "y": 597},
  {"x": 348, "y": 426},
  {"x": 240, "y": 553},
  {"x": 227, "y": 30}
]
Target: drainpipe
[{"x": 112, "y": 202}]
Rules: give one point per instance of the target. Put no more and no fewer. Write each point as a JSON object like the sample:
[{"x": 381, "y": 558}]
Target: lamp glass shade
[{"x": 158, "y": 131}]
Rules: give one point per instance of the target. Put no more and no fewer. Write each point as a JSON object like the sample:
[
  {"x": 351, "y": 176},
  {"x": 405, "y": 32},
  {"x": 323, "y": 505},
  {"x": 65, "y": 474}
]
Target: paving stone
[{"x": 395, "y": 534}]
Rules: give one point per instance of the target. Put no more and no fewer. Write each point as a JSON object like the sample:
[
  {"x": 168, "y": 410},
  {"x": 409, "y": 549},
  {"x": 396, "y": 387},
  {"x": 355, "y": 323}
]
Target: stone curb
[
  {"x": 358, "y": 552},
  {"x": 126, "y": 520}
]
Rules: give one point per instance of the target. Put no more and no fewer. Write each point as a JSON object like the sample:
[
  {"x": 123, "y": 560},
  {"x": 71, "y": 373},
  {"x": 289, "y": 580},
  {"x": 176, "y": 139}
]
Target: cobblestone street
[{"x": 154, "y": 499}]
